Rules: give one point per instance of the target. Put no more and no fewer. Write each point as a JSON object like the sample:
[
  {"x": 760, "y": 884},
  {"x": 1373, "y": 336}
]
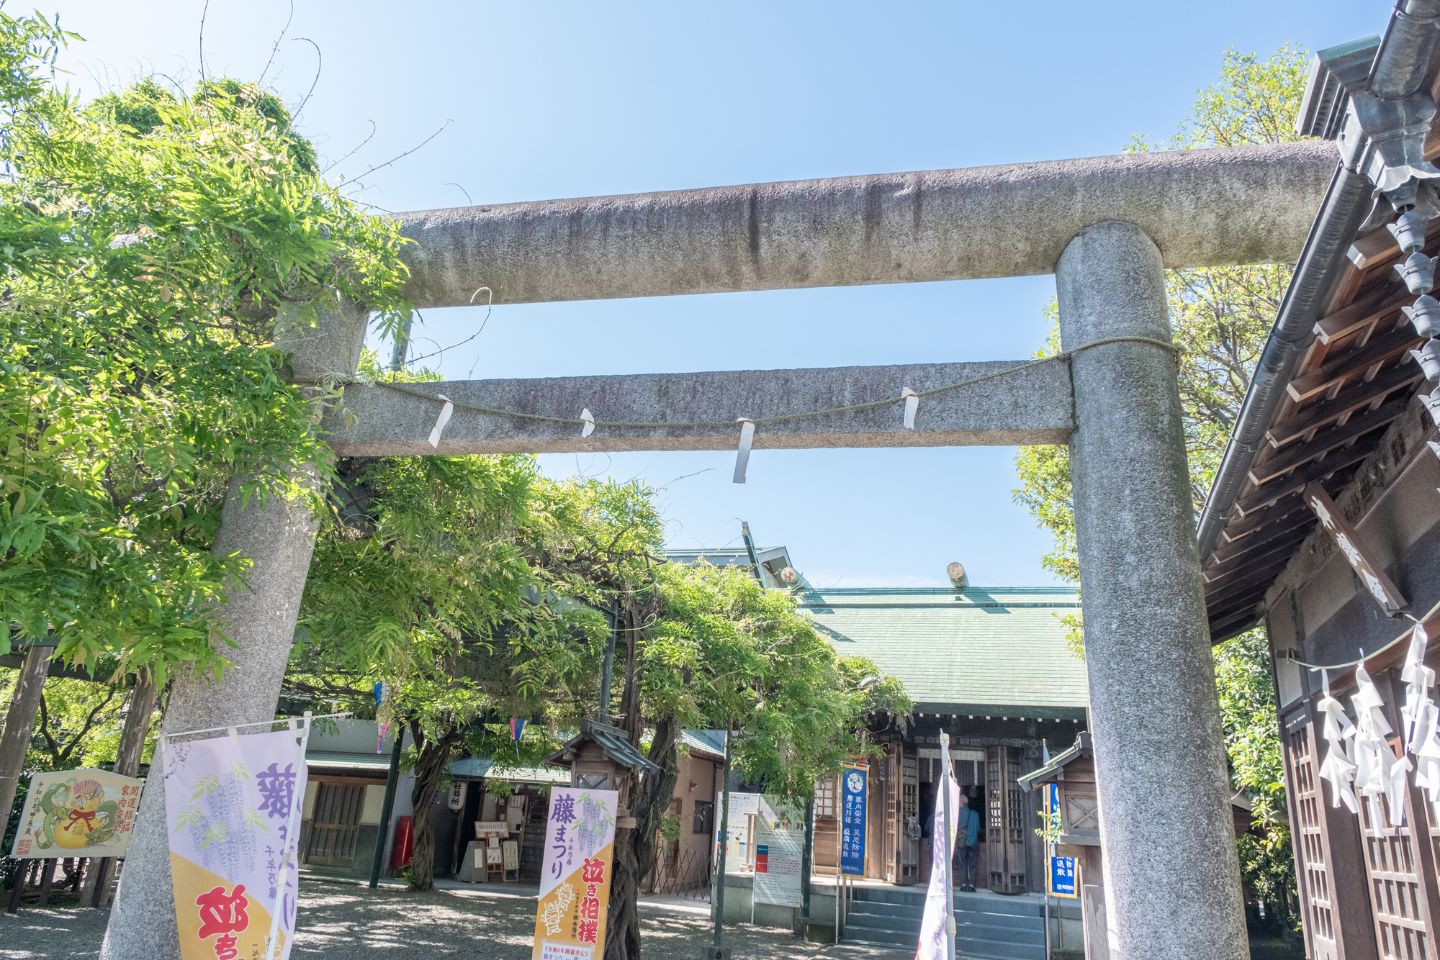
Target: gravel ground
[{"x": 352, "y": 923}]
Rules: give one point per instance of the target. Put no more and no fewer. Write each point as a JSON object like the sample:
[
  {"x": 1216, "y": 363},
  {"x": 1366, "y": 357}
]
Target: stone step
[
  {"x": 913, "y": 912},
  {"x": 858, "y": 921},
  {"x": 882, "y": 938},
  {"x": 1000, "y": 934},
  {"x": 969, "y": 949}
]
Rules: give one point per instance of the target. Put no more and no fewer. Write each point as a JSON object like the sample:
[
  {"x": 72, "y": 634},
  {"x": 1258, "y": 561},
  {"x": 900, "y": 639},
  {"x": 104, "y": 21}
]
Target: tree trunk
[
  {"x": 430, "y": 766},
  {"x": 20, "y": 723},
  {"x": 635, "y": 849}
]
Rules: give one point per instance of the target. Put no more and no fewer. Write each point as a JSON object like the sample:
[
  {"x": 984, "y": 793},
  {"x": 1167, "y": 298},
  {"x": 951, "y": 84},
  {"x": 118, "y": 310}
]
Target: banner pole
[{"x": 945, "y": 778}]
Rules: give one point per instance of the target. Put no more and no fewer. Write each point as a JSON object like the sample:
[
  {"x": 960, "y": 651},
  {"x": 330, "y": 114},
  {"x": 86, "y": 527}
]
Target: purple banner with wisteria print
[{"x": 233, "y": 808}]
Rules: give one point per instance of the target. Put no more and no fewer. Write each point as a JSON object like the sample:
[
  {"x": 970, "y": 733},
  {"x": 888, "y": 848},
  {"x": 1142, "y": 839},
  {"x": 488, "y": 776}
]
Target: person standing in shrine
[{"x": 968, "y": 843}]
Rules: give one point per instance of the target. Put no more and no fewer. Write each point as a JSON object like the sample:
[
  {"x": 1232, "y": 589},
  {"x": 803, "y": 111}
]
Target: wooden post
[
  {"x": 96, "y": 892},
  {"x": 20, "y": 721}
]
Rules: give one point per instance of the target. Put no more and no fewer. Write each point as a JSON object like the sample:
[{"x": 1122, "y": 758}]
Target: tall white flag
[{"x": 938, "y": 926}]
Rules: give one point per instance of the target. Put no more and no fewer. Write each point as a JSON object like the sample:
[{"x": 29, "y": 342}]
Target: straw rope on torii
[{"x": 1106, "y": 227}]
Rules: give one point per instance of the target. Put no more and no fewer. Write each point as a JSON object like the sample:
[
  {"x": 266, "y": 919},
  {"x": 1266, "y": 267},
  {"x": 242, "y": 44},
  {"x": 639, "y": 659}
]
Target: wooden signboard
[{"x": 1371, "y": 574}]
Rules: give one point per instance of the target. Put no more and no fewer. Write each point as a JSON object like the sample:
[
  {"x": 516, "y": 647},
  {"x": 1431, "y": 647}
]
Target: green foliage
[
  {"x": 1257, "y": 763},
  {"x": 1220, "y": 318},
  {"x": 727, "y": 652},
  {"x": 149, "y": 241}
]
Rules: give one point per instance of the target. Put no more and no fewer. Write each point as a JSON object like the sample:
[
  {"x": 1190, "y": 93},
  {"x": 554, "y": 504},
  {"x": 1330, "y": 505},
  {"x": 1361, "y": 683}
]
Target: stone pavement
[{"x": 352, "y": 923}]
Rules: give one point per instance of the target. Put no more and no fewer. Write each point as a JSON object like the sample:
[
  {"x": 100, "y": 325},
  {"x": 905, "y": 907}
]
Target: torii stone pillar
[
  {"x": 1172, "y": 878},
  {"x": 278, "y": 535}
]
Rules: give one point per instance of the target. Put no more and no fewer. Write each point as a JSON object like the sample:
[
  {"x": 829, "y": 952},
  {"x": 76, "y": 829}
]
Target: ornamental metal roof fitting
[
  {"x": 1432, "y": 404},
  {"x": 1409, "y": 231},
  {"x": 1388, "y": 118},
  {"x": 1424, "y": 316},
  {"x": 1428, "y": 356},
  {"x": 1418, "y": 272}
]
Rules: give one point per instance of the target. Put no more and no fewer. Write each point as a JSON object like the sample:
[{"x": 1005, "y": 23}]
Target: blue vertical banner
[
  {"x": 1052, "y": 802},
  {"x": 1064, "y": 881},
  {"x": 854, "y": 783}
]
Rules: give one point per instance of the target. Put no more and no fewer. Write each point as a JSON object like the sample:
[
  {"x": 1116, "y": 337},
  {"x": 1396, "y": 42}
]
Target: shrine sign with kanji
[{"x": 575, "y": 878}]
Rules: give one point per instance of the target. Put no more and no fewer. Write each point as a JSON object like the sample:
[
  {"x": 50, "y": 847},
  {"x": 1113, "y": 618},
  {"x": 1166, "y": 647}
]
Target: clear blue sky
[{"x": 563, "y": 99}]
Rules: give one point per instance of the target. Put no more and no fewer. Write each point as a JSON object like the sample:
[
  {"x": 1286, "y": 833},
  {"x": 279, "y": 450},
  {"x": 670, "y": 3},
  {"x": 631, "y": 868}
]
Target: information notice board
[{"x": 779, "y": 853}]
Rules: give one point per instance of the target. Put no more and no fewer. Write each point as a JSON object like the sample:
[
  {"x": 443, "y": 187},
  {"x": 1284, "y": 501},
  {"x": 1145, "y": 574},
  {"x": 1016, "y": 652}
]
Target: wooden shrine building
[{"x": 1324, "y": 523}]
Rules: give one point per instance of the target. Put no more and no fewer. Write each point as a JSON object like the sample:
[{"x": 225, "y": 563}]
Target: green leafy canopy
[{"x": 149, "y": 240}]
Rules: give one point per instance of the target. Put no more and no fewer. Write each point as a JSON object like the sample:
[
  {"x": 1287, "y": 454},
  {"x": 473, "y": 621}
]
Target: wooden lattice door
[
  {"x": 1307, "y": 814},
  {"x": 335, "y": 825},
  {"x": 1397, "y": 897},
  {"x": 910, "y": 819},
  {"x": 1005, "y": 820}
]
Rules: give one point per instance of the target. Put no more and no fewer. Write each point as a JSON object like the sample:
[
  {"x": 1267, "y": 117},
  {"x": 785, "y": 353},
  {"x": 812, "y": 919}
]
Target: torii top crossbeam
[{"x": 1201, "y": 207}]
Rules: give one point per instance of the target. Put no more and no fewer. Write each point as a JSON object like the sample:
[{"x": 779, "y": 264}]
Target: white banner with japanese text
[
  {"x": 233, "y": 807},
  {"x": 575, "y": 877}
]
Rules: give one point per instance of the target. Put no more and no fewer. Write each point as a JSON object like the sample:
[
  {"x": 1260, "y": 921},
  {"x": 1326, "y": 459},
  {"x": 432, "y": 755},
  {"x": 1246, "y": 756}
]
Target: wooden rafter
[
  {"x": 1222, "y": 585},
  {"x": 1276, "y": 550},
  {"x": 1242, "y": 526},
  {"x": 1294, "y": 456},
  {"x": 1343, "y": 404},
  {"x": 1361, "y": 314},
  {"x": 1270, "y": 536},
  {"x": 1382, "y": 348},
  {"x": 1295, "y": 482}
]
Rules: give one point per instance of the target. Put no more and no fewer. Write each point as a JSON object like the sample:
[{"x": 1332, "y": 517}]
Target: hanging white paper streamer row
[
  {"x": 1374, "y": 760},
  {"x": 1337, "y": 768},
  {"x": 742, "y": 454},
  {"x": 446, "y": 412},
  {"x": 589, "y": 421},
  {"x": 912, "y": 404}
]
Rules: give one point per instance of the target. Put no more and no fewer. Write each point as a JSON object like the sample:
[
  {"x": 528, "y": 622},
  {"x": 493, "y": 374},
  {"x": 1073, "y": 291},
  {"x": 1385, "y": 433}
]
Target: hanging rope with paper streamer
[
  {"x": 1359, "y": 761},
  {"x": 589, "y": 424},
  {"x": 446, "y": 412},
  {"x": 1338, "y": 766}
]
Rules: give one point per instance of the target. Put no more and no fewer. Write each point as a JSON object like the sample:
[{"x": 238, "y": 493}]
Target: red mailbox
[{"x": 402, "y": 851}]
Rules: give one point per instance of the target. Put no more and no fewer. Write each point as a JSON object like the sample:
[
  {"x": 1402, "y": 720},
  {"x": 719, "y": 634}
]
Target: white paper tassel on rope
[
  {"x": 1374, "y": 760},
  {"x": 589, "y": 422},
  {"x": 1418, "y": 680},
  {"x": 1427, "y": 764},
  {"x": 742, "y": 454},
  {"x": 1337, "y": 768},
  {"x": 446, "y": 412},
  {"x": 912, "y": 404}
]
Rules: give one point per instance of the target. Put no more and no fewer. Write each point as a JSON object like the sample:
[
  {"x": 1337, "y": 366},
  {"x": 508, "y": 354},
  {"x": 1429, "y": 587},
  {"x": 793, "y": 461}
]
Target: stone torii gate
[{"x": 1108, "y": 228}]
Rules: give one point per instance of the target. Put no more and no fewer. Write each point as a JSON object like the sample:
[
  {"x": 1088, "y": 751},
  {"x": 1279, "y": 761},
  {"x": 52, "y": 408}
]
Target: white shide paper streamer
[
  {"x": 446, "y": 412},
  {"x": 589, "y": 421},
  {"x": 912, "y": 404},
  {"x": 1338, "y": 767},
  {"x": 742, "y": 454}
]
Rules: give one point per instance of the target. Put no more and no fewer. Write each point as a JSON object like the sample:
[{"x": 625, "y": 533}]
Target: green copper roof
[{"x": 994, "y": 651}]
